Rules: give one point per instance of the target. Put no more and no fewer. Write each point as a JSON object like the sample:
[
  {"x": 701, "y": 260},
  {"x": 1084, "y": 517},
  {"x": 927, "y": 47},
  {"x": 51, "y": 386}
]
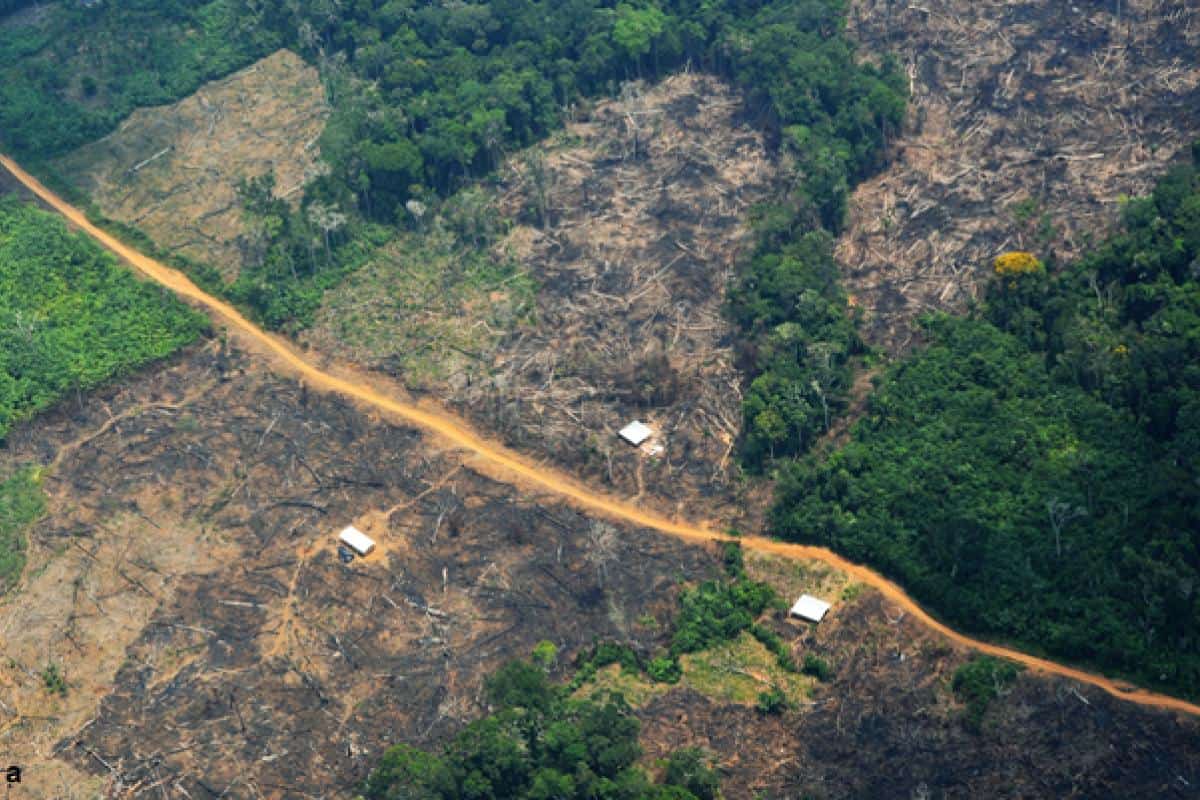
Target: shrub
[
  {"x": 545, "y": 654},
  {"x": 691, "y": 769},
  {"x": 665, "y": 669},
  {"x": 21, "y": 503},
  {"x": 772, "y": 702},
  {"x": 771, "y": 640},
  {"x": 735, "y": 563},
  {"x": 980, "y": 681},
  {"x": 817, "y": 667},
  {"x": 717, "y": 612},
  {"x": 53, "y": 680}
]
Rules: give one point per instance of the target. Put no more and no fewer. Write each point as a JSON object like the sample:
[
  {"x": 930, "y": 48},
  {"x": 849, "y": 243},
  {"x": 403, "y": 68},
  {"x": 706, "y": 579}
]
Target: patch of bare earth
[
  {"x": 632, "y": 226},
  {"x": 173, "y": 171},
  {"x": 1029, "y": 122}
]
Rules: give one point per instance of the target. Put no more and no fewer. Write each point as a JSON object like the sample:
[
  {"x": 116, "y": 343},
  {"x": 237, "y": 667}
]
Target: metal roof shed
[
  {"x": 810, "y": 608},
  {"x": 635, "y": 433},
  {"x": 356, "y": 540}
]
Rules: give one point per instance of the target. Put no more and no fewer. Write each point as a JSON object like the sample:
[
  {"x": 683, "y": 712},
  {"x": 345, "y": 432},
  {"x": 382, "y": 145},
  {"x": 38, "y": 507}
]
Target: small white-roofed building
[
  {"x": 810, "y": 608},
  {"x": 356, "y": 540},
  {"x": 635, "y": 433}
]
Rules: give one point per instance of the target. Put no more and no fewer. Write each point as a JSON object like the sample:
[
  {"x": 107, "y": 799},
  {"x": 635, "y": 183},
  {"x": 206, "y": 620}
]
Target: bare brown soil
[
  {"x": 1029, "y": 122},
  {"x": 173, "y": 171}
]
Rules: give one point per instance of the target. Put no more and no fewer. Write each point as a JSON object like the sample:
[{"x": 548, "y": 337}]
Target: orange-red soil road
[{"x": 524, "y": 471}]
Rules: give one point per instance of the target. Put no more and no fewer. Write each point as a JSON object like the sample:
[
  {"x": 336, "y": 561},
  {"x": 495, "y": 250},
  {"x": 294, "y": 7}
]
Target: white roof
[
  {"x": 810, "y": 608},
  {"x": 635, "y": 433},
  {"x": 357, "y": 540}
]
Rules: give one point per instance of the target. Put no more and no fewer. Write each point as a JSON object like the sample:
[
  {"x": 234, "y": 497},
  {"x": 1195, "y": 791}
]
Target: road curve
[{"x": 528, "y": 472}]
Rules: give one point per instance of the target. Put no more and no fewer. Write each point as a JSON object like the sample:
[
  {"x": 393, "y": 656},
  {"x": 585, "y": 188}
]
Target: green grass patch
[
  {"x": 736, "y": 671},
  {"x": 739, "y": 671}
]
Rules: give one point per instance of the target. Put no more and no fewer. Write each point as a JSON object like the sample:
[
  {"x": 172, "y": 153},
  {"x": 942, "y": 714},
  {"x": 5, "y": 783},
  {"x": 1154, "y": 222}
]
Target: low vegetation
[
  {"x": 980, "y": 681},
  {"x": 70, "y": 318},
  {"x": 426, "y": 306},
  {"x": 721, "y": 646},
  {"x": 1033, "y": 473}
]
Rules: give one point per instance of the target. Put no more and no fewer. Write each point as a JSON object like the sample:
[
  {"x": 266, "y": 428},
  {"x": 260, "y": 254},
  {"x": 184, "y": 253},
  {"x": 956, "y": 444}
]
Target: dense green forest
[
  {"x": 72, "y": 76},
  {"x": 797, "y": 341},
  {"x": 1034, "y": 474},
  {"x": 70, "y": 318}
]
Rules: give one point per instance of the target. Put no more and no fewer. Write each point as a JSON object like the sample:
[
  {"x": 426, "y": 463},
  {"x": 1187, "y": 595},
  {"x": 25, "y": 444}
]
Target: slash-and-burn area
[
  {"x": 187, "y": 574},
  {"x": 630, "y": 223},
  {"x": 186, "y": 586}
]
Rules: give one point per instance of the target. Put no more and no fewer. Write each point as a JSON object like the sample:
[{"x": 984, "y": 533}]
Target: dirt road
[{"x": 522, "y": 471}]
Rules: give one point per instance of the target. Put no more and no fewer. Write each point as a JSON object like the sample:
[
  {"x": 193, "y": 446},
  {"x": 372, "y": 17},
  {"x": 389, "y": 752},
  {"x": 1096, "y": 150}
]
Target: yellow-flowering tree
[{"x": 1017, "y": 263}]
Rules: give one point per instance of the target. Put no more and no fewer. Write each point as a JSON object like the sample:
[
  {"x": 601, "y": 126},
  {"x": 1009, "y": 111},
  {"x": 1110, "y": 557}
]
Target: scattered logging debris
[
  {"x": 214, "y": 644},
  {"x": 631, "y": 222},
  {"x": 173, "y": 170},
  {"x": 1029, "y": 122}
]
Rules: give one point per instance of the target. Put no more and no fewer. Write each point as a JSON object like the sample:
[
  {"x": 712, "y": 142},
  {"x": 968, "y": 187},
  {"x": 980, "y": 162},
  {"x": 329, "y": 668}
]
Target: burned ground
[
  {"x": 186, "y": 573},
  {"x": 630, "y": 222},
  {"x": 185, "y": 583},
  {"x": 888, "y": 725},
  {"x": 1029, "y": 121}
]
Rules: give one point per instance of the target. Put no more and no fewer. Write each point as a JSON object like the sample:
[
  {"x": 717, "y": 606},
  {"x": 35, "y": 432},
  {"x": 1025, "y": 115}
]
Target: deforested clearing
[
  {"x": 1029, "y": 123},
  {"x": 186, "y": 587},
  {"x": 628, "y": 226},
  {"x": 173, "y": 171}
]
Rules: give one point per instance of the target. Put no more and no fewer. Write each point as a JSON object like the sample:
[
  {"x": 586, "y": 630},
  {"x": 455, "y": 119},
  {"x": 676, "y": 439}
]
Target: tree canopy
[{"x": 538, "y": 743}]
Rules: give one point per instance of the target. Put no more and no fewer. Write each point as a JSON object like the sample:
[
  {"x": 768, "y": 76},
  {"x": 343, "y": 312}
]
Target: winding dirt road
[{"x": 523, "y": 471}]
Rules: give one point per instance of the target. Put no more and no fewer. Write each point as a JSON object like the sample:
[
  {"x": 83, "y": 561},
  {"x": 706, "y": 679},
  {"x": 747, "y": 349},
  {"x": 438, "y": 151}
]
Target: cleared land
[
  {"x": 1029, "y": 122},
  {"x": 512, "y": 467},
  {"x": 173, "y": 171},
  {"x": 628, "y": 224}
]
